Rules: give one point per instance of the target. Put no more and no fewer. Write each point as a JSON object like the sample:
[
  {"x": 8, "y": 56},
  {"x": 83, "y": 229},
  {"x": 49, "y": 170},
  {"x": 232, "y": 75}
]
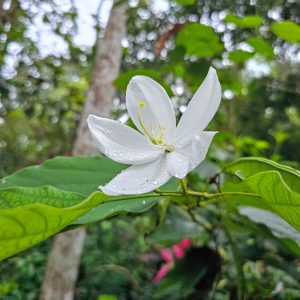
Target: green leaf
[
  {"x": 75, "y": 174},
  {"x": 287, "y": 30},
  {"x": 116, "y": 207},
  {"x": 132, "y": 204},
  {"x": 25, "y": 226},
  {"x": 277, "y": 185},
  {"x": 123, "y": 79},
  {"x": 277, "y": 225},
  {"x": 249, "y": 21},
  {"x": 20, "y": 196},
  {"x": 260, "y": 46},
  {"x": 239, "y": 56},
  {"x": 186, "y": 2},
  {"x": 251, "y": 165},
  {"x": 199, "y": 40},
  {"x": 272, "y": 188}
]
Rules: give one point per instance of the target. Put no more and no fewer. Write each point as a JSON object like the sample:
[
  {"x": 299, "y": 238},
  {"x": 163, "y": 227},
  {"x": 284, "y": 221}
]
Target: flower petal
[
  {"x": 138, "y": 179},
  {"x": 157, "y": 111},
  {"x": 197, "y": 149},
  {"x": 162, "y": 272},
  {"x": 177, "y": 164},
  {"x": 122, "y": 143},
  {"x": 201, "y": 108}
]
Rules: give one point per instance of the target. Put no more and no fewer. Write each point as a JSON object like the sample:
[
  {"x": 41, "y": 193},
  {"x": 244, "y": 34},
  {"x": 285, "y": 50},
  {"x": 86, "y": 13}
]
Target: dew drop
[{"x": 144, "y": 202}]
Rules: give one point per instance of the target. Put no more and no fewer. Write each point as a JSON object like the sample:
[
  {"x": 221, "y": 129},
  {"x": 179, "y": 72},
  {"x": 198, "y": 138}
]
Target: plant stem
[
  {"x": 185, "y": 192},
  {"x": 151, "y": 195},
  {"x": 216, "y": 195},
  {"x": 183, "y": 187}
]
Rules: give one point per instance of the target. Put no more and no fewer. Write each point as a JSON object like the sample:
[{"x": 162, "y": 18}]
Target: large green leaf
[
  {"x": 199, "y": 40},
  {"x": 75, "y": 174},
  {"x": 277, "y": 185},
  {"x": 248, "y": 166},
  {"x": 249, "y": 21},
  {"x": 272, "y": 189},
  {"x": 287, "y": 30},
  {"x": 25, "y": 226},
  {"x": 52, "y": 196}
]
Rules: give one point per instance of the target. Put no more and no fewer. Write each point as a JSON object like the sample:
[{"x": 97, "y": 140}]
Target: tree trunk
[{"x": 64, "y": 258}]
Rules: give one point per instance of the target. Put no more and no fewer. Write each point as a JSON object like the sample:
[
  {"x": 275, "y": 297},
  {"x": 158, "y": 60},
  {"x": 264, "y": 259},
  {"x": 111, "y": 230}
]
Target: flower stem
[{"x": 183, "y": 187}]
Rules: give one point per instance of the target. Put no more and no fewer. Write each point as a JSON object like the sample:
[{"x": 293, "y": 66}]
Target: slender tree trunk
[{"x": 64, "y": 258}]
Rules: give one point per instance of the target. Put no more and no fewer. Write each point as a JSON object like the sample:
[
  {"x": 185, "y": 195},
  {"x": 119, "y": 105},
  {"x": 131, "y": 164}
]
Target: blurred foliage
[{"x": 254, "y": 46}]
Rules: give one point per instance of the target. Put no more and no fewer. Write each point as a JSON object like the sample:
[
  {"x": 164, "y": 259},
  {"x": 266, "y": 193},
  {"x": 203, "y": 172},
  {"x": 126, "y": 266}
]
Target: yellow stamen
[
  {"x": 158, "y": 139},
  {"x": 152, "y": 139},
  {"x": 141, "y": 104}
]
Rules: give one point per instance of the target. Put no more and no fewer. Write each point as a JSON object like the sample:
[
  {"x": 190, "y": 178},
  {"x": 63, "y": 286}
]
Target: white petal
[
  {"x": 122, "y": 143},
  {"x": 201, "y": 108},
  {"x": 177, "y": 164},
  {"x": 138, "y": 179},
  {"x": 197, "y": 149},
  {"x": 157, "y": 111}
]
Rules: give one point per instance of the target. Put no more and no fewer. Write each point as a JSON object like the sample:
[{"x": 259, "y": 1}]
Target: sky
[{"x": 50, "y": 43}]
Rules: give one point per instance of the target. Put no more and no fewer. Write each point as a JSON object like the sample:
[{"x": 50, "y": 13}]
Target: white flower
[{"x": 160, "y": 150}]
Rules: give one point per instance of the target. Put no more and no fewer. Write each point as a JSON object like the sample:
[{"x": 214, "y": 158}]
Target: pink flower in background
[
  {"x": 167, "y": 254},
  {"x": 180, "y": 248}
]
